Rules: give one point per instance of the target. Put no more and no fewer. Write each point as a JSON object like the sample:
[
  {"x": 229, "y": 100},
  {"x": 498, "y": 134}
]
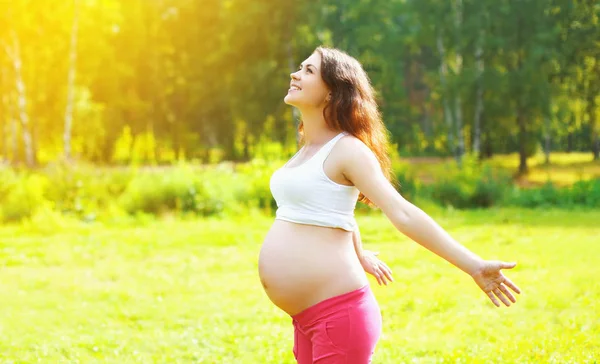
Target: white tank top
[{"x": 305, "y": 195}]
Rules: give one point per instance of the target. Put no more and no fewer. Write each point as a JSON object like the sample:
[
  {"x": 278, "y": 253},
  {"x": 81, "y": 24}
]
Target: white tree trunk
[
  {"x": 6, "y": 116},
  {"x": 13, "y": 135},
  {"x": 445, "y": 92},
  {"x": 71, "y": 84},
  {"x": 479, "y": 106},
  {"x": 10, "y": 128},
  {"x": 15, "y": 56}
]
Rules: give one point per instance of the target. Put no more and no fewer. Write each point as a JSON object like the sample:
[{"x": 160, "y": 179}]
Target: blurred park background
[{"x": 137, "y": 139}]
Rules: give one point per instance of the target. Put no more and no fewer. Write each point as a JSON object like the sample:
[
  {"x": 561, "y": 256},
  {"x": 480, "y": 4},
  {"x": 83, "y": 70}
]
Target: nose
[{"x": 294, "y": 75}]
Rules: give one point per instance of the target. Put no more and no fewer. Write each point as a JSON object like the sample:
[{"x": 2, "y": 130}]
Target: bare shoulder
[
  {"x": 354, "y": 151},
  {"x": 361, "y": 167}
]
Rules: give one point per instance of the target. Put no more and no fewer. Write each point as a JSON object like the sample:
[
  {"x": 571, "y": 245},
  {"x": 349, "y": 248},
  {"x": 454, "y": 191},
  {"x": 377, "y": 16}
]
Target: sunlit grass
[
  {"x": 558, "y": 158},
  {"x": 175, "y": 291}
]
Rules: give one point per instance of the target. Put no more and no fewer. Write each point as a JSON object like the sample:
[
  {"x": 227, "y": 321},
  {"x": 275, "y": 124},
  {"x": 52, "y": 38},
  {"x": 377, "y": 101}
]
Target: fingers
[
  {"x": 503, "y": 294},
  {"x": 385, "y": 266},
  {"x": 493, "y": 298},
  {"x": 501, "y": 297},
  {"x": 507, "y": 293},
  {"x": 377, "y": 277},
  {"x": 511, "y": 285},
  {"x": 380, "y": 270},
  {"x": 504, "y": 265},
  {"x": 380, "y": 276},
  {"x": 387, "y": 272}
]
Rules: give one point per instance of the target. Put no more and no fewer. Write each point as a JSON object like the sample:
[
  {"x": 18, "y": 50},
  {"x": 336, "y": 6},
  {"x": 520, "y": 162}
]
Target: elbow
[
  {"x": 401, "y": 218},
  {"x": 401, "y": 213}
]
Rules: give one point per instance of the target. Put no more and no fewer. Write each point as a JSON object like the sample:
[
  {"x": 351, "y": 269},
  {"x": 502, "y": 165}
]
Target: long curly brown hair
[{"x": 353, "y": 108}]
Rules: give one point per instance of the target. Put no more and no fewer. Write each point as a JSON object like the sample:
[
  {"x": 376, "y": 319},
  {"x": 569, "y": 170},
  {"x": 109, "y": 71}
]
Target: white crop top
[{"x": 305, "y": 195}]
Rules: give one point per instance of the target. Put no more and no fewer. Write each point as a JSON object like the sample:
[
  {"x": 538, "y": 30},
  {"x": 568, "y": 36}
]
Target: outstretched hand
[
  {"x": 376, "y": 267},
  {"x": 491, "y": 280}
]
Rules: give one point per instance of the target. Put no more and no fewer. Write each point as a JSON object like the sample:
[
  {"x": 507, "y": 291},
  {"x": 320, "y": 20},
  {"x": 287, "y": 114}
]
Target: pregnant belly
[{"x": 301, "y": 265}]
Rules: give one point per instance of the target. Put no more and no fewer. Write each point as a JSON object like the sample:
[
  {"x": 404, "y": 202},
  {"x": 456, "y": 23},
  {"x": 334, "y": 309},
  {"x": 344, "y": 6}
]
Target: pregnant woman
[{"x": 311, "y": 263}]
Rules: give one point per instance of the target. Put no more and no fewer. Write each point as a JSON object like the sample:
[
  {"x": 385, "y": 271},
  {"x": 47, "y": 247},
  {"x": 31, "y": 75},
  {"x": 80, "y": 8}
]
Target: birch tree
[
  {"x": 71, "y": 83},
  {"x": 14, "y": 54}
]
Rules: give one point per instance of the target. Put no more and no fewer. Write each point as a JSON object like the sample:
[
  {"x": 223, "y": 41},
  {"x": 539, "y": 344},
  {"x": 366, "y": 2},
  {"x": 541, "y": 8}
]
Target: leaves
[{"x": 188, "y": 71}]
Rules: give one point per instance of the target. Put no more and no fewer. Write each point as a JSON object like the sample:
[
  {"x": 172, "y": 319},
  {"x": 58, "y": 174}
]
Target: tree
[{"x": 71, "y": 83}]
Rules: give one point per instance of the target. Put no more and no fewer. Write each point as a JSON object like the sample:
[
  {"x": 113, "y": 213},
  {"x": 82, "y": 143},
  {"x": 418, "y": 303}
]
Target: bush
[
  {"x": 83, "y": 190},
  {"x": 582, "y": 193},
  {"x": 473, "y": 186},
  {"x": 490, "y": 188},
  {"x": 585, "y": 193},
  {"x": 21, "y": 196},
  {"x": 159, "y": 191},
  {"x": 255, "y": 190},
  {"x": 407, "y": 184}
]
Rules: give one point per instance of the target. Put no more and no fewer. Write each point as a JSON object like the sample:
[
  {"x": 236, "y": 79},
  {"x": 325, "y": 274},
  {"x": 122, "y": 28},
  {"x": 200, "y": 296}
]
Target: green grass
[{"x": 175, "y": 291}]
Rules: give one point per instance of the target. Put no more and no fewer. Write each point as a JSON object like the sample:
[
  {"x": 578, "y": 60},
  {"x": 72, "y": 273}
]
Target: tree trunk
[
  {"x": 522, "y": 141},
  {"x": 479, "y": 106},
  {"x": 13, "y": 137},
  {"x": 6, "y": 114},
  {"x": 591, "y": 111},
  {"x": 460, "y": 148},
  {"x": 488, "y": 148},
  {"x": 246, "y": 144},
  {"x": 15, "y": 57},
  {"x": 570, "y": 135},
  {"x": 71, "y": 84},
  {"x": 445, "y": 94},
  {"x": 547, "y": 138},
  {"x": 426, "y": 120},
  {"x": 3, "y": 131},
  {"x": 520, "y": 108}
]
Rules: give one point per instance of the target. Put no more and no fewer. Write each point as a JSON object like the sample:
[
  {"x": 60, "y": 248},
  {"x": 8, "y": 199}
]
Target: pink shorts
[{"x": 339, "y": 330}]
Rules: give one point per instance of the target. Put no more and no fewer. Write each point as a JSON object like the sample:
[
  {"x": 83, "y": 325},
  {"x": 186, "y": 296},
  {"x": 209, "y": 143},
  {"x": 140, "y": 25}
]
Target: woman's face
[{"x": 307, "y": 88}]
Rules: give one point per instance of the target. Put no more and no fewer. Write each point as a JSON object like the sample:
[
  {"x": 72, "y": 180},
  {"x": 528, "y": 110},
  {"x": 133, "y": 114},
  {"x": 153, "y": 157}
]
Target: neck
[{"x": 316, "y": 130}]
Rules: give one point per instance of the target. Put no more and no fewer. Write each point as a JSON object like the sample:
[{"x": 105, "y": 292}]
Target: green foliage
[
  {"x": 256, "y": 192},
  {"x": 472, "y": 186},
  {"x": 408, "y": 184},
  {"x": 84, "y": 190},
  {"x": 21, "y": 195},
  {"x": 173, "y": 97},
  {"x": 580, "y": 194},
  {"x": 155, "y": 191},
  {"x": 90, "y": 193}
]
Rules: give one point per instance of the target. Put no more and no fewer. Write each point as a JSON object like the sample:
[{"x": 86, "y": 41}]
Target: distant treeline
[{"x": 154, "y": 81}]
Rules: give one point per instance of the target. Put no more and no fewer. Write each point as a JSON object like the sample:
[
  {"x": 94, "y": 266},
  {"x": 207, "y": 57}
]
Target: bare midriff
[{"x": 301, "y": 265}]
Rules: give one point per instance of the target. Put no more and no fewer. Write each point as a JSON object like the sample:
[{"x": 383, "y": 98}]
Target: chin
[{"x": 288, "y": 100}]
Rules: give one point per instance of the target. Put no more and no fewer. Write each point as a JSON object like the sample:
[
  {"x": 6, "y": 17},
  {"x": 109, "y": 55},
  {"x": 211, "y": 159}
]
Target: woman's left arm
[{"x": 362, "y": 168}]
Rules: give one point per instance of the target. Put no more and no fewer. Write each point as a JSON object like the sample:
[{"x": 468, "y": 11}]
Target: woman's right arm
[{"x": 363, "y": 169}]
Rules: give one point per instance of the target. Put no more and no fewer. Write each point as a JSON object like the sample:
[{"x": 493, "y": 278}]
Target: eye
[
  {"x": 309, "y": 70},
  {"x": 299, "y": 67}
]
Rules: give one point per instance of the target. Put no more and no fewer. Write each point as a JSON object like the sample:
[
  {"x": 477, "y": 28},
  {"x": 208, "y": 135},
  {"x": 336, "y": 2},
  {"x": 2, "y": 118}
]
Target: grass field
[{"x": 175, "y": 291}]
